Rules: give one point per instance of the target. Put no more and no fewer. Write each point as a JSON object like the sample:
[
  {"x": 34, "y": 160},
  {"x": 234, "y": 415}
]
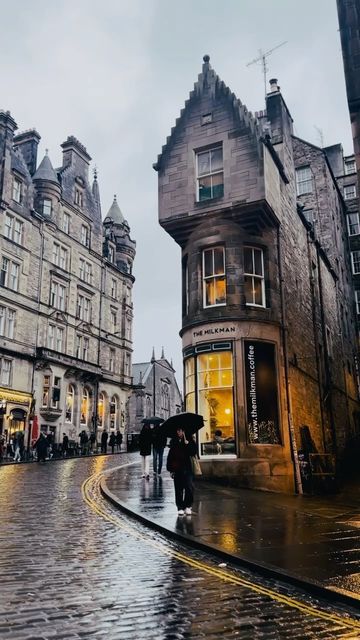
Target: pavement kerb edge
[{"x": 311, "y": 587}]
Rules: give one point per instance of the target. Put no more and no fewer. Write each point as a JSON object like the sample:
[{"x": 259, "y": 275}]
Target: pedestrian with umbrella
[
  {"x": 145, "y": 442},
  {"x": 181, "y": 428}
]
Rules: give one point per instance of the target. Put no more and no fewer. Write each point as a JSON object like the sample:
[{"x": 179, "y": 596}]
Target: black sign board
[{"x": 261, "y": 393}]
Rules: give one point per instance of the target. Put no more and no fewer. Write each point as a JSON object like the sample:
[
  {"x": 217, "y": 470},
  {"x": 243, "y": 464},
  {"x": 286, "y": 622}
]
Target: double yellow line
[{"x": 94, "y": 481}]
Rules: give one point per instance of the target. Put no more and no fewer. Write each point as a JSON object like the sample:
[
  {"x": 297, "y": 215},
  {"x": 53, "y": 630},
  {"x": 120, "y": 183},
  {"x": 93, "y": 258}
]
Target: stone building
[
  {"x": 155, "y": 391},
  {"x": 65, "y": 294},
  {"x": 268, "y": 325}
]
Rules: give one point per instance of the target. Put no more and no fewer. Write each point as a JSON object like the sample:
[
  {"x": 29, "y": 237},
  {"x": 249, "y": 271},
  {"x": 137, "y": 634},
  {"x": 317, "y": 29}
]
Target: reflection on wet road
[{"x": 72, "y": 566}]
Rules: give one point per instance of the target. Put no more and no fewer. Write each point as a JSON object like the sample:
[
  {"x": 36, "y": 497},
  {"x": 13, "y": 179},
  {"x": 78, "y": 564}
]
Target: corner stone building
[
  {"x": 65, "y": 294},
  {"x": 268, "y": 324}
]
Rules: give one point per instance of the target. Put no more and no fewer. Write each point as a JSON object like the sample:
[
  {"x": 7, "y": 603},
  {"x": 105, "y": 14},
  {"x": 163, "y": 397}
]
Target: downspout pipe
[{"x": 293, "y": 445}]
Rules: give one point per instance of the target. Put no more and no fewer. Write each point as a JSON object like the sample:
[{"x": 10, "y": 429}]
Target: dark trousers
[
  {"x": 184, "y": 490},
  {"x": 157, "y": 459}
]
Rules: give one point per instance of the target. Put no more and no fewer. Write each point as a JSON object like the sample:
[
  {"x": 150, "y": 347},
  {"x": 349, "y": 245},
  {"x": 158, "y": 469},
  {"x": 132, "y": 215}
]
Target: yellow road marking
[{"x": 213, "y": 571}]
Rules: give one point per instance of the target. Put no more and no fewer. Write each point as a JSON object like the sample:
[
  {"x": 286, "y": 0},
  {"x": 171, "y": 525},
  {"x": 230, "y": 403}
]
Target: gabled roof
[
  {"x": 140, "y": 367},
  {"x": 45, "y": 171},
  {"x": 209, "y": 81}
]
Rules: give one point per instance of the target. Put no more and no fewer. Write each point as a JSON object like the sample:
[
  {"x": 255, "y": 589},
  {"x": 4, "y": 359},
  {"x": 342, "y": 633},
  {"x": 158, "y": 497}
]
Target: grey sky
[{"x": 115, "y": 74}]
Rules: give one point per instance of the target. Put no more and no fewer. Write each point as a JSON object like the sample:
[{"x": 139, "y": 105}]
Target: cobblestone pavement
[{"x": 72, "y": 566}]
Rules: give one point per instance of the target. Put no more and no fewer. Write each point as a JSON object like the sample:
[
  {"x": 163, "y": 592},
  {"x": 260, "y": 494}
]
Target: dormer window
[
  {"x": 17, "y": 190},
  {"x": 85, "y": 235},
  {"x": 78, "y": 197},
  {"x": 210, "y": 174},
  {"x": 46, "y": 207},
  {"x": 111, "y": 253}
]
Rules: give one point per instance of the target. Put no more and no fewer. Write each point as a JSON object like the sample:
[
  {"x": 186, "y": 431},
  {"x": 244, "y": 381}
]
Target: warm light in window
[{"x": 227, "y": 411}]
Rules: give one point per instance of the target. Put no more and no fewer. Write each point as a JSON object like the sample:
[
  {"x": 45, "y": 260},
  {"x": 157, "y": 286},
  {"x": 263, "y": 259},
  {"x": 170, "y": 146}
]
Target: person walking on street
[
  {"x": 93, "y": 447},
  {"x": 84, "y": 441},
  {"x": 159, "y": 444},
  {"x": 65, "y": 446},
  {"x": 179, "y": 465},
  {"x": 41, "y": 446},
  {"x": 112, "y": 442},
  {"x": 145, "y": 442},
  {"x": 119, "y": 440},
  {"x": 104, "y": 439}
]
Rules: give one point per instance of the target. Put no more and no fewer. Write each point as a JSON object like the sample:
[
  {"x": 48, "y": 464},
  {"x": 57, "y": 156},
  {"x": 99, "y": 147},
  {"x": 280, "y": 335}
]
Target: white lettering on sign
[
  {"x": 252, "y": 392},
  {"x": 213, "y": 331}
]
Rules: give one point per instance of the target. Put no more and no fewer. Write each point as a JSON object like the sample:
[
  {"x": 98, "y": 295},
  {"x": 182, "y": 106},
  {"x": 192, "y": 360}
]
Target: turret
[{"x": 47, "y": 188}]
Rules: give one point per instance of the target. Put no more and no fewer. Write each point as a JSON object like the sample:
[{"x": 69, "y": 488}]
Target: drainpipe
[{"x": 294, "y": 451}]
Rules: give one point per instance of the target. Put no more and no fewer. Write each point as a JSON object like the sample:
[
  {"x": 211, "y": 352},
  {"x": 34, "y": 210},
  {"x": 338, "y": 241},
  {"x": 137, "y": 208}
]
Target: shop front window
[
  {"x": 85, "y": 401},
  {"x": 69, "y": 407},
  {"x": 190, "y": 385},
  {"x": 101, "y": 410},
  {"x": 215, "y": 402},
  {"x": 114, "y": 410}
]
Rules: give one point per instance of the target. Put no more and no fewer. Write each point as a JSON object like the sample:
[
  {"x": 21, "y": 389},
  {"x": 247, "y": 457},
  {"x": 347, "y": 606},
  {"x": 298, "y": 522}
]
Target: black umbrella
[
  {"x": 152, "y": 420},
  {"x": 189, "y": 422}
]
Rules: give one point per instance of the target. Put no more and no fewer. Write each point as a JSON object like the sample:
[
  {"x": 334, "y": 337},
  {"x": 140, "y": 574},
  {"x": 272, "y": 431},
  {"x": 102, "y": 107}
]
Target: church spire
[{"x": 153, "y": 356}]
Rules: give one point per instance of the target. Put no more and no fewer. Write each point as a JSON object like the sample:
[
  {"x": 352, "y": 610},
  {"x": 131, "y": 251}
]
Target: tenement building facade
[
  {"x": 268, "y": 319},
  {"x": 65, "y": 294}
]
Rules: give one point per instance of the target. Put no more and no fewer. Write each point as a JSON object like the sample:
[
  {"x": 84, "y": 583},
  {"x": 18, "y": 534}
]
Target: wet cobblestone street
[{"x": 66, "y": 571}]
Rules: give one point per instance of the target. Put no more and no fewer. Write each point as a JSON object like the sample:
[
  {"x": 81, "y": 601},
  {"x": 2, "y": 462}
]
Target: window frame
[
  {"x": 357, "y": 301},
  {"x": 300, "y": 189},
  {"x": 85, "y": 236},
  {"x": 55, "y": 299},
  {"x": 353, "y": 261},
  {"x": 65, "y": 227},
  {"x": 7, "y": 324},
  {"x": 210, "y": 174},
  {"x": 346, "y": 189},
  {"x": 214, "y": 276},
  {"x": 255, "y": 276},
  {"x": 15, "y": 230},
  {"x": 351, "y": 163},
  {"x": 46, "y": 206},
  {"x": 356, "y": 224},
  {"x": 17, "y": 192}
]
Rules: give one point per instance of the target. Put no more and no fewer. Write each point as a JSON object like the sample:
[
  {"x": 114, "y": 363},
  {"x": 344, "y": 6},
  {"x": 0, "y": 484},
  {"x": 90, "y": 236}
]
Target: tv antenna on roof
[{"x": 262, "y": 59}]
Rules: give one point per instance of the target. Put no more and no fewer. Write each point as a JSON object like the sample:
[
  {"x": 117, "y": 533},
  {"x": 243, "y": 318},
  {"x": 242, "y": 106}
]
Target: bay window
[
  {"x": 214, "y": 278},
  {"x": 254, "y": 280}
]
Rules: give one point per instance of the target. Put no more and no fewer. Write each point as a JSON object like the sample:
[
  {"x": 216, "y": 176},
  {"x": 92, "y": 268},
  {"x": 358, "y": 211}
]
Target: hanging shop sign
[{"x": 261, "y": 393}]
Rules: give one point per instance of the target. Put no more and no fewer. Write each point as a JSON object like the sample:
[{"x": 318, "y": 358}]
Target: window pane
[
  {"x": 203, "y": 163},
  {"x": 248, "y": 289},
  {"x": 257, "y": 291},
  {"x": 220, "y": 290},
  {"x": 248, "y": 261},
  {"x": 210, "y": 293},
  {"x": 226, "y": 379},
  {"x": 205, "y": 188},
  {"x": 208, "y": 263},
  {"x": 218, "y": 185},
  {"x": 258, "y": 262},
  {"x": 225, "y": 359},
  {"x": 216, "y": 159},
  {"x": 219, "y": 261}
]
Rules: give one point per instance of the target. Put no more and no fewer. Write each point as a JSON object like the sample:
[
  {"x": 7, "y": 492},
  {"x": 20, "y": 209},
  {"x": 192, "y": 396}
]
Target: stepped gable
[{"x": 209, "y": 81}]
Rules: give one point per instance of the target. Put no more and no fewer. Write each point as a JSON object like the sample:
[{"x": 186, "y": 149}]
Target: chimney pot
[{"x": 274, "y": 85}]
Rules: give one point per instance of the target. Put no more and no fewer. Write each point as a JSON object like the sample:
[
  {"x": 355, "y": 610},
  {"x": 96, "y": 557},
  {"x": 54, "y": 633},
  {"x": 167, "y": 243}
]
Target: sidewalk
[{"x": 313, "y": 542}]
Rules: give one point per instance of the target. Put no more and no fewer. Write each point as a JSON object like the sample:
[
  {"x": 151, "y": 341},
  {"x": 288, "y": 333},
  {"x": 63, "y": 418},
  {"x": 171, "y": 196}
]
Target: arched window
[
  {"x": 85, "y": 402},
  {"x": 165, "y": 401},
  {"x": 69, "y": 407},
  {"x": 114, "y": 412},
  {"x": 101, "y": 410}
]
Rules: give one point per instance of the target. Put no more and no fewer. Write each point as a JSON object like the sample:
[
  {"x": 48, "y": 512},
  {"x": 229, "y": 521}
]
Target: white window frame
[
  {"x": 213, "y": 276},
  {"x": 13, "y": 228},
  {"x": 5, "y": 371},
  {"x": 350, "y": 166},
  {"x": 58, "y": 295},
  {"x": 17, "y": 190},
  {"x": 127, "y": 364},
  {"x": 113, "y": 321},
  {"x": 355, "y": 261},
  {"x": 112, "y": 359},
  {"x": 349, "y": 191},
  {"x": 83, "y": 311},
  {"x": 85, "y": 236},
  {"x": 255, "y": 276},
  {"x": 7, "y": 322},
  {"x": 66, "y": 222},
  {"x": 357, "y": 301},
  {"x": 114, "y": 288},
  {"x": 210, "y": 174},
  {"x": 47, "y": 207},
  {"x": 70, "y": 393},
  {"x": 60, "y": 256},
  {"x": 304, "y": 180},
  {"x": 351, "y": 225},
  {"x": 85, "y": 270}
]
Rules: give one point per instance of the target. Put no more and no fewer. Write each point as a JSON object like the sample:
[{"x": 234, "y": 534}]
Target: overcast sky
[{"x": 115, "y": 74}]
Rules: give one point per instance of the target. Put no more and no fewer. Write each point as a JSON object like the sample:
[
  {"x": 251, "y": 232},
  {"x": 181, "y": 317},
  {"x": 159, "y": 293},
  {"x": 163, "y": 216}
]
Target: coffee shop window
[
  {"x": 214, "y": 278},
  {"x": 114, "y": 411},
  {"x": 69, "y": 407},
  {"x": 85, "y": 407}
]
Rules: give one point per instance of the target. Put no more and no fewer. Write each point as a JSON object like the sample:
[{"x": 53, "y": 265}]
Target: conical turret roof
[
  {"x": 114, "y": 213},
  {"x": 45, "y": 171}
]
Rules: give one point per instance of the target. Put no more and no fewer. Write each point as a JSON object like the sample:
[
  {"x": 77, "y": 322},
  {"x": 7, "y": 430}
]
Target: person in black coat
[
  {"x": 112, "y": 442},
  {"x": 65, "y": 445},
  {"x": 159, "y": 444},
  {"x": 145, "y": 442},
  {"x": 104, "y": 439},
  {"x": 119, "y": 439},
  {"x": 179, "y": 465},
  {"x": 41, "y": 446}
]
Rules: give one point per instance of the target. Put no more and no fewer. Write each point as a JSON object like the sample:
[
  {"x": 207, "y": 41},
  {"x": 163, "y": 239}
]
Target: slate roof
[
  {"x": 114, "y": 213},
  {"x": 45, "y": 171}
]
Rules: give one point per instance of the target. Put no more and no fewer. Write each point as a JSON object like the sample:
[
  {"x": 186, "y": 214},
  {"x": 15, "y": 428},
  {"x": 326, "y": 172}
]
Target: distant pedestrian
[
  {"x": 17, "y": 456},
  {"x": 2, "y": 449},
  {"x": 10, "y": 449},
  {"x": 65, "y": 446},
  {"x": 119, "y": 439},
  {"x": 179, "y": 465},
  {"x": 112, "y": 442},
  {"x": 50, "y": 442},
  {"x": 84, "y": 440},
  {"x": 93, "y": 446},
  {"x": 145, "y": 442},
  {"x": 41, "y": 446},
  {"x": 159, "y": 444},
  {"x": 104, "y": 439}
]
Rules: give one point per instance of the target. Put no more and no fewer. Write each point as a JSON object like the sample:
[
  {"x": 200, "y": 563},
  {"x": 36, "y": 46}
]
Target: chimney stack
[
  {"x": 274, "y": 85},
  {"x": 27, "y": 142}
]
